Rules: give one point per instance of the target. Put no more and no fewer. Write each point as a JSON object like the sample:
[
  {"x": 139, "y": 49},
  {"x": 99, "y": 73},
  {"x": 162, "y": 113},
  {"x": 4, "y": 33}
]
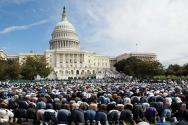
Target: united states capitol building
[{"x": 67, "y": 60}]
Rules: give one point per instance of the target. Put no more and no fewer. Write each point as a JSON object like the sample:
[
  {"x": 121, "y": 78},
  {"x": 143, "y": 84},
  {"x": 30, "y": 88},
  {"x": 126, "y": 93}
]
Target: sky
[{"x": 108, "y": 27}]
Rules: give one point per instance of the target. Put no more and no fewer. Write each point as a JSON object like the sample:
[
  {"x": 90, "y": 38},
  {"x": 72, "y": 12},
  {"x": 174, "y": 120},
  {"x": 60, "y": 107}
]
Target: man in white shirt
[{"x": 5, "y": 114}]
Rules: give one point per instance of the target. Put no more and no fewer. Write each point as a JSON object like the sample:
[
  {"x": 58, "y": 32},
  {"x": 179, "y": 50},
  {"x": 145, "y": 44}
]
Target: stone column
[
  {"x": 73, "y": 60},
  {"x": 56, "y": 59},
  {"x": 69, "y": 59},
  {"x": 63, "y": 57},
  {"x": 77, "y": 58},
  {"x": 83, "y": 58}
]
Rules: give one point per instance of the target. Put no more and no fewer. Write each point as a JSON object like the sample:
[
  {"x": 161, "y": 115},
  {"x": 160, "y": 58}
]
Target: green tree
[
  {"x": 13, "y": 69},
  {"x": 3, "y": 66},
  {"x": 179, "y": 73},
  {"x": 174, "y": 67},
  {"x": 33, "y": 66},
  {"x": 143, "y": 69},
  {"x": 155, "y": 68},
  {"x": 128, "y": 66},
  {"x": 168, "y": 72},
  {"x": 150, "y": 69},
  {"x": 176, "y": 70},
  {"x": 128, "y": 70},
  {"x": 120, "y": 65},
  {"x": 9, "y": 69},
  {"x": 42, "y": 66}
]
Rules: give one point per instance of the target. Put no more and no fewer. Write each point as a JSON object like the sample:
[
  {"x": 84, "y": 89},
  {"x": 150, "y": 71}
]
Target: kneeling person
[{"x": 5, "y": 114}]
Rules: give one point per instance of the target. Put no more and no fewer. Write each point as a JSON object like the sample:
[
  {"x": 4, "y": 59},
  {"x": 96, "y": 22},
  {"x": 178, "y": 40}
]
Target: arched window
[
  {"x": 77, "y": 72},
  {"x": 82, "y": 72}
]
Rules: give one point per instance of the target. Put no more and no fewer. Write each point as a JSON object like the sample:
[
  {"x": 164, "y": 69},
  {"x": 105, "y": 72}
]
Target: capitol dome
[
  {"x": 64, "y": 35},
  {"x": 64, "y": 24}
]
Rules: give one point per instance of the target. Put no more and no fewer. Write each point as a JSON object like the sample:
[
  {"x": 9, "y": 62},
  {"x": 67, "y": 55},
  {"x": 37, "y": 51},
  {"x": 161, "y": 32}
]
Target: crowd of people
[{"x": 81, "y": 103}]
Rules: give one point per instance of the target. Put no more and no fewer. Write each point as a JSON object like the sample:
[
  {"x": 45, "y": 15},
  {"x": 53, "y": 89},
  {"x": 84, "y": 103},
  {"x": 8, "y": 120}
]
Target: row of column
[
  {"x": 64, "y": 43},
  {"x": 144, "y": 58},
  {"x": 78, "y": 72},
  {"x": 69, "y": 58}
]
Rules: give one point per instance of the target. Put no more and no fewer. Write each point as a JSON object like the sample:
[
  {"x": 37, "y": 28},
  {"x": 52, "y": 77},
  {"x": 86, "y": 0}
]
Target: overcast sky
[{"x": 109, "y": 27}]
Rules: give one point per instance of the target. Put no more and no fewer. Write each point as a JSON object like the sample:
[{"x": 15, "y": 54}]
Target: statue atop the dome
[{"x": 64, "y": 9}]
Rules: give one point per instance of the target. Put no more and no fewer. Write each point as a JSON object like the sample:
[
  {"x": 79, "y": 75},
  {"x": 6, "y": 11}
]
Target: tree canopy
[
  {"x": 9, "y": 69},
  {"x": 138, "y": 68},
  {"x": 33, "y": 66},
  {"x": 177, "y": 70}
]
